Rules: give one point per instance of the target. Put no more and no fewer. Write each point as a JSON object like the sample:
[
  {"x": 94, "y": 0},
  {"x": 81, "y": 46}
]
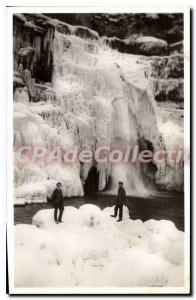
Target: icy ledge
[{"x": 91, "y": 249}]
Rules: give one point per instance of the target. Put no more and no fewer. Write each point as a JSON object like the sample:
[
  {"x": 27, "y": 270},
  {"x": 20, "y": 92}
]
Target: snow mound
[
  {"x": 150, "y": 39},
  {"x": 91, "y": 249}
]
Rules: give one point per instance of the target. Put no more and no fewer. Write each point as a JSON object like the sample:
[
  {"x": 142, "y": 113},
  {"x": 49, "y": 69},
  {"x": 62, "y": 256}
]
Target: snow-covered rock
[
  {"x": 144, "y": 45},
  {"x": 91, "y": 249},
  {"x": 148, "y": 45}
]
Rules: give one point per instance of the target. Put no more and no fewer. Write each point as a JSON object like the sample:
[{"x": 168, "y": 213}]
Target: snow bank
[{"x": 91, "y": 249}]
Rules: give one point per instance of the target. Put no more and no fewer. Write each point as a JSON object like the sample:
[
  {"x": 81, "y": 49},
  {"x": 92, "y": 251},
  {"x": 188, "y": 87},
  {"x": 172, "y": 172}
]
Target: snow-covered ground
[{"x": 90, "y": 249}]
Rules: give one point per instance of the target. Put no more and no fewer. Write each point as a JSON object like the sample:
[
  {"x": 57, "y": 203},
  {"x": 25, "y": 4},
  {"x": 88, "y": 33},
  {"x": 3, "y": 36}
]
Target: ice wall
[
  {"x": 34, "y": 180},
  {"x": 96, "y": 97},
  {"x": 101, "y": 100}
]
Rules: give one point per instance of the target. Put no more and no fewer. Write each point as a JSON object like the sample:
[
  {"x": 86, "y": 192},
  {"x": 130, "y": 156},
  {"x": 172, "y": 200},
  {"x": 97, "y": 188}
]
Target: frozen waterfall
[{"x": 97, "y": 97}]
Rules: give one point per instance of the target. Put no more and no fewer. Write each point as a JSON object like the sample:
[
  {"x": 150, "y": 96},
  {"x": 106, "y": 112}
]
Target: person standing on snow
[
  {"x": 121, "y": 200},
  {"x": 57, "y": 200}
]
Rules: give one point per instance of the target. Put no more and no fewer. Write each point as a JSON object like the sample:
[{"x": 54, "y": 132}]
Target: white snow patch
[{"x": 150, "y": 39}]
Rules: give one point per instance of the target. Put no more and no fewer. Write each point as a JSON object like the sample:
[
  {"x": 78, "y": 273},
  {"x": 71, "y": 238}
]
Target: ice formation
[
  {"x": 96, "y": 97},
  {"x": 90, "y": 249}
]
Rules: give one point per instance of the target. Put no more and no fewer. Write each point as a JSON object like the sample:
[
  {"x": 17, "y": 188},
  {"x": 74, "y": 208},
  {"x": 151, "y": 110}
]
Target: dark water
[{"x": 163, "y": 205}]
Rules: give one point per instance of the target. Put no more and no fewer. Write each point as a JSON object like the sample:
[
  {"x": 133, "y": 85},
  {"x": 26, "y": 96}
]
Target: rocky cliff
[
  {"x": 163, "y": 33},
  {"x": 168, "y": 27}
]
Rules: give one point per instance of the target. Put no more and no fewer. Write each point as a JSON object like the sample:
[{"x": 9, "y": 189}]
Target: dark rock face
[
  {"x": 111, "y": 24},
  {"x": 168, "y": 27},
  {"x": 32, "y": 44}
]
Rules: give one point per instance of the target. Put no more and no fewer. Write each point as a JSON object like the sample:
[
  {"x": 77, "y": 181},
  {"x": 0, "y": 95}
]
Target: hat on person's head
[
  {"x": 58, "y": 183},
  {"x": 120, "y": 182}
]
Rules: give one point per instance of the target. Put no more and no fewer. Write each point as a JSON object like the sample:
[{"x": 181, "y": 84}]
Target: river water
[{"x": 162, "y": 205}]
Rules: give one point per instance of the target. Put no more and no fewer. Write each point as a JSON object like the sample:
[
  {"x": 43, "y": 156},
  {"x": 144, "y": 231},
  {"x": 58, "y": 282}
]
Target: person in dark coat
[
  {"x": 121, "y": 200},
  {"x": 57, "y": 200}
]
